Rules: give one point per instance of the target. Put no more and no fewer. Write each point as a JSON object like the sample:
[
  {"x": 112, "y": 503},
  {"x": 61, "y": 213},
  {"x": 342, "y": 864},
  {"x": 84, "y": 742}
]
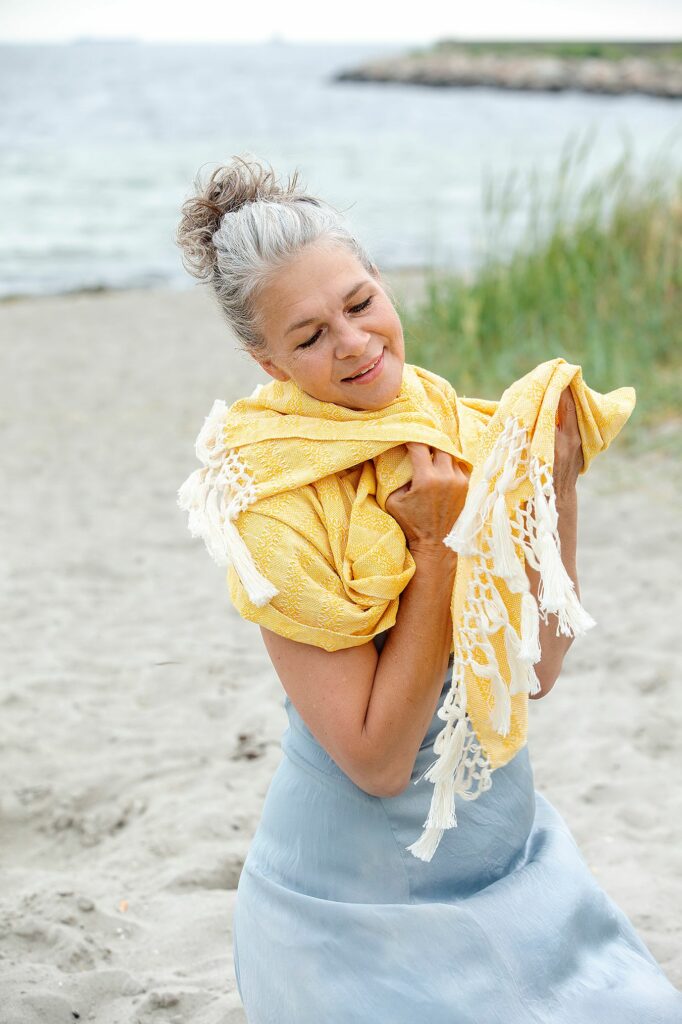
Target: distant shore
[
  {"x": 651, "y": 69},
  {"x": 408, "y": 283}
]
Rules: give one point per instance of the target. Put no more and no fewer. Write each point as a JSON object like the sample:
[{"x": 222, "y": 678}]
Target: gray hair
[{"x": 241, "y": 226}]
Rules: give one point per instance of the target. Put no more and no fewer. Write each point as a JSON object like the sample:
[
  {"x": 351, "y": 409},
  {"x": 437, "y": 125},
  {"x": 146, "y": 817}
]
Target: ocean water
[{"x": 99, "y": 143}]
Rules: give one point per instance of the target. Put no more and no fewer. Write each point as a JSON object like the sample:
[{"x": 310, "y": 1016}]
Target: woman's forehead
[{"x": 300, "y": 291}]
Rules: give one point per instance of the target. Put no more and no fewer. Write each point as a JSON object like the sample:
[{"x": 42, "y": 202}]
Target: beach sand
[{"x": 140, "y": 715}]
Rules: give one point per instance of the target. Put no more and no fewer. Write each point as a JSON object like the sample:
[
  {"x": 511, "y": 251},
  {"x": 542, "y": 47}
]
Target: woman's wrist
[
  {"x": 567, "y": 500},
  {"x": 567, "y": 512},
  {"x": 435, "y": 554}
]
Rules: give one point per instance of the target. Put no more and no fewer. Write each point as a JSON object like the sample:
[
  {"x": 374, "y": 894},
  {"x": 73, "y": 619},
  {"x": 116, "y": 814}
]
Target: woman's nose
[{"x": 351, "y": 339}]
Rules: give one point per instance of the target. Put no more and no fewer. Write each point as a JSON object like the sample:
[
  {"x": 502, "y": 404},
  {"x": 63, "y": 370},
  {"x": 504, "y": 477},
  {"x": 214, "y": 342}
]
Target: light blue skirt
[{"x": 336, "y": 922}]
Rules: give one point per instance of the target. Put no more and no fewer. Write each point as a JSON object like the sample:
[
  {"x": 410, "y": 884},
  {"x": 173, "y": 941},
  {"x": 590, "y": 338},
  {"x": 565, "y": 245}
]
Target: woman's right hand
[{"x": 427, "y": 507}]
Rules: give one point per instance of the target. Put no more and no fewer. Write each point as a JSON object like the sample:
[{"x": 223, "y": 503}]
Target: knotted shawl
[{"x": 292, "y": 495}]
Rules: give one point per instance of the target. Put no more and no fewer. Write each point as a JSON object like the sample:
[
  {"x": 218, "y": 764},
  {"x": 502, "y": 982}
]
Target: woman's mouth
[{"x": 369, "y": 374}]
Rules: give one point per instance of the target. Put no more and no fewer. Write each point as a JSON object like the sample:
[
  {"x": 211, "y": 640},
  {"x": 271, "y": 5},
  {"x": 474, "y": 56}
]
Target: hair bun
[{"x": 227, "y": 189}]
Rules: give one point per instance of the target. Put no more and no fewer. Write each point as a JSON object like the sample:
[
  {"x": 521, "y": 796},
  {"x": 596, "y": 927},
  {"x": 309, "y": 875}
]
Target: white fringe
[
  {"x": 500, "y": 716},
  {"x": 463, "y": 534},
  {"x": 529, "y": 650},
  {"x": 556, "y": 592},
  {"x": 214, "y": 496},
  {"x": 462, "y": 769},
  {"x": 498, "y": 536},
  {"x": 427, "y": 844},
  {"x": 504, "y": 553}
]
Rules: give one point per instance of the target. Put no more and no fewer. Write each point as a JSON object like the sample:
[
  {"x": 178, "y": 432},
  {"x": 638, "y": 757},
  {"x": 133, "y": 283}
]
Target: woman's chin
[
  {"x": 386, "y": 392},
  {"x": 368, "y": 397},
  {"x": 378, "y": 399}
]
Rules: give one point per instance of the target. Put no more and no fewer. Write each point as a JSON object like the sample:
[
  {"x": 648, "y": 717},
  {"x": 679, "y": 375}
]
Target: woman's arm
[
  {"x": 568, "y": 461},
  {"x": 553, "y": 647},
  {"x": 371, "y": 713},
  {"x": 410, "y": 673}
]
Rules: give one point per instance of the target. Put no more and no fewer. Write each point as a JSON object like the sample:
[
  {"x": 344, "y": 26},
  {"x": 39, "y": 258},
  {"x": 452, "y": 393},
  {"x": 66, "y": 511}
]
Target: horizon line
[{"x": 278, "y": 39}]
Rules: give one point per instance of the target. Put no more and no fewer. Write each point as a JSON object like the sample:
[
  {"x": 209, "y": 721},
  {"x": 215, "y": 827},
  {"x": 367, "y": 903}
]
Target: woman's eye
[
  {"x": 304, "y": 344},
  {"x": 354, "y": 309},
  {"x": 363, "y": 305}
]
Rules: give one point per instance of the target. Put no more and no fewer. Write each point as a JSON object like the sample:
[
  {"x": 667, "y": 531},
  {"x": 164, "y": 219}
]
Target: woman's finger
[
  {"x": 420, "y": 454},
  {"x": 568, "y": 453},
  {"x": 443, "y": 460},
  {"x": 398, "y": 493},
  {"x": 567, "y": 415}
]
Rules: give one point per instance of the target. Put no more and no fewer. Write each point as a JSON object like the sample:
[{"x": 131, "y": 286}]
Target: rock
[{"x": 457, "y": 68}]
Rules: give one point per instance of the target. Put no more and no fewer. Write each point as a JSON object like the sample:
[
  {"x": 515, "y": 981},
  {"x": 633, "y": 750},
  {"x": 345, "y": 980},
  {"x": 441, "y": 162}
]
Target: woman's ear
[{"x": 272, "y": 370}]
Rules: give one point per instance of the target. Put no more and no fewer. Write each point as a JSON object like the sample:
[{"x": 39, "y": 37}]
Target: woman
[{"x": 335, "y": 921}]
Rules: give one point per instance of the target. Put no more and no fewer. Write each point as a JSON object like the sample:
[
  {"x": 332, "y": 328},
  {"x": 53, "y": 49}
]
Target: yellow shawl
[{"x": 292, "y": 494}]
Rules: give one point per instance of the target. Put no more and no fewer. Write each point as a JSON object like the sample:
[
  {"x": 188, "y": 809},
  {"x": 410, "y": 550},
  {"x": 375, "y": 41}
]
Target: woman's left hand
[{"x": 568, "y": 450}]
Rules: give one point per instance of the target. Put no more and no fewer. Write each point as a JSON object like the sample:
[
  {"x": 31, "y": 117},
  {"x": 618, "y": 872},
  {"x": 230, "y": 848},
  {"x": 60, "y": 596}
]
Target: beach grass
[
  {"x": 578, "y": 49},
  {"x": 593, "y": 274}
]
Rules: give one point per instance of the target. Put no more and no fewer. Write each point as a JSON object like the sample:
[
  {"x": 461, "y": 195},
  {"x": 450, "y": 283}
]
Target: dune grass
[
  {"x": 593, "y": 275},
  {"x": 577, "y": 49}
]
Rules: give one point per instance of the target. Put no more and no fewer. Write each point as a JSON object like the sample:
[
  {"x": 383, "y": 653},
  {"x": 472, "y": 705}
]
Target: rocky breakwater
[{"x": 534, "y": 74}]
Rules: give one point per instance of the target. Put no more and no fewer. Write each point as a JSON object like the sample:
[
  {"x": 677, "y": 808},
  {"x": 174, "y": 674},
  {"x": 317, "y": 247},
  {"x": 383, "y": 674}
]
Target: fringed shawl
[{"x": 292, "y": 497}]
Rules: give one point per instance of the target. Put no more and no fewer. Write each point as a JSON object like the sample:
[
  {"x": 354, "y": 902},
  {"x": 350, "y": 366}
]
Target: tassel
[
  {"x": 468, "y": 778},
  {"x": 485, "y": 671},
  {"x": 505, "y": 560},
  {"x": 554, "y": 580},
  {"x": 523, "y": 676},
  {"x": 574, "y": 620},
  {"x": 490, "y": 618},
  {"x": 259, "y": 589},
  {"x": 425, "y": 847},
  {"x": 529, "y": 650},
  {"x": 444, "y": 772},
  {"x": 463, "y": 534},
  {"x": 534, "y": 683},
  {"x": 212, "y": 528},
  {"x": 190, "y": 492},
  {"x": 442, "y": 810},
  {"x": 518, "y": 679},
  {"x": 556, "y": 592},
  {"x": 500, "y": 716},
  {"x": 449, "y": 745},
  {"x": 212, "y": 503},
  {"x": 498, "y": 603},
  {"x": 209, "y": 445}
]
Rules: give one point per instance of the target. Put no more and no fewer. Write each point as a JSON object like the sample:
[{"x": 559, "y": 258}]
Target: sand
[{"x": 141, "y": 717}]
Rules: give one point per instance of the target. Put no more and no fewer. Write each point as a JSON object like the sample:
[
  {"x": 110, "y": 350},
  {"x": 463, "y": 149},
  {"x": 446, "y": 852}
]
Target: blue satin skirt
[{"x": 335, "y": 922}]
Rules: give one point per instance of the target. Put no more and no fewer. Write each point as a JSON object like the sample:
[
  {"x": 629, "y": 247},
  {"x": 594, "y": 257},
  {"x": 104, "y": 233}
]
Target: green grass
[
  {"x": 595, "y": 276},
  {"x": 577, "y": 49}
]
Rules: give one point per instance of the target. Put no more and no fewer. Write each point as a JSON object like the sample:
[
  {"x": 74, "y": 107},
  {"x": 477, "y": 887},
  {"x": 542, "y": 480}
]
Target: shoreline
[
  {"x": 407, "y": 284},
  {"x": 531, "y": 67},
  {"x": 408, "y": 280}
]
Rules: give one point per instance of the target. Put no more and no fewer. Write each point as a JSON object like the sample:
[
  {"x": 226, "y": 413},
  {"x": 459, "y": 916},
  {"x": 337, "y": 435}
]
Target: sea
[{"x": 100, "y": 143}]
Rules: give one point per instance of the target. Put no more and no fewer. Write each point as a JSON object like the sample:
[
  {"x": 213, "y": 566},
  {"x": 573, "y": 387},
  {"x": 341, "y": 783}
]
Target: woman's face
[{"x": 324, "y": 319}]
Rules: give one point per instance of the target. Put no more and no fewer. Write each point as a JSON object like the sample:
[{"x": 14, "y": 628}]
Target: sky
[{"x": 348, "y": 21}]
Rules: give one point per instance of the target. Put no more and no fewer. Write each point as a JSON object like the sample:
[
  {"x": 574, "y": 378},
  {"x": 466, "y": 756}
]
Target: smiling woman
[
  {"x": 355, "y": 357},
  {"x": 401, "y": 610}
]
